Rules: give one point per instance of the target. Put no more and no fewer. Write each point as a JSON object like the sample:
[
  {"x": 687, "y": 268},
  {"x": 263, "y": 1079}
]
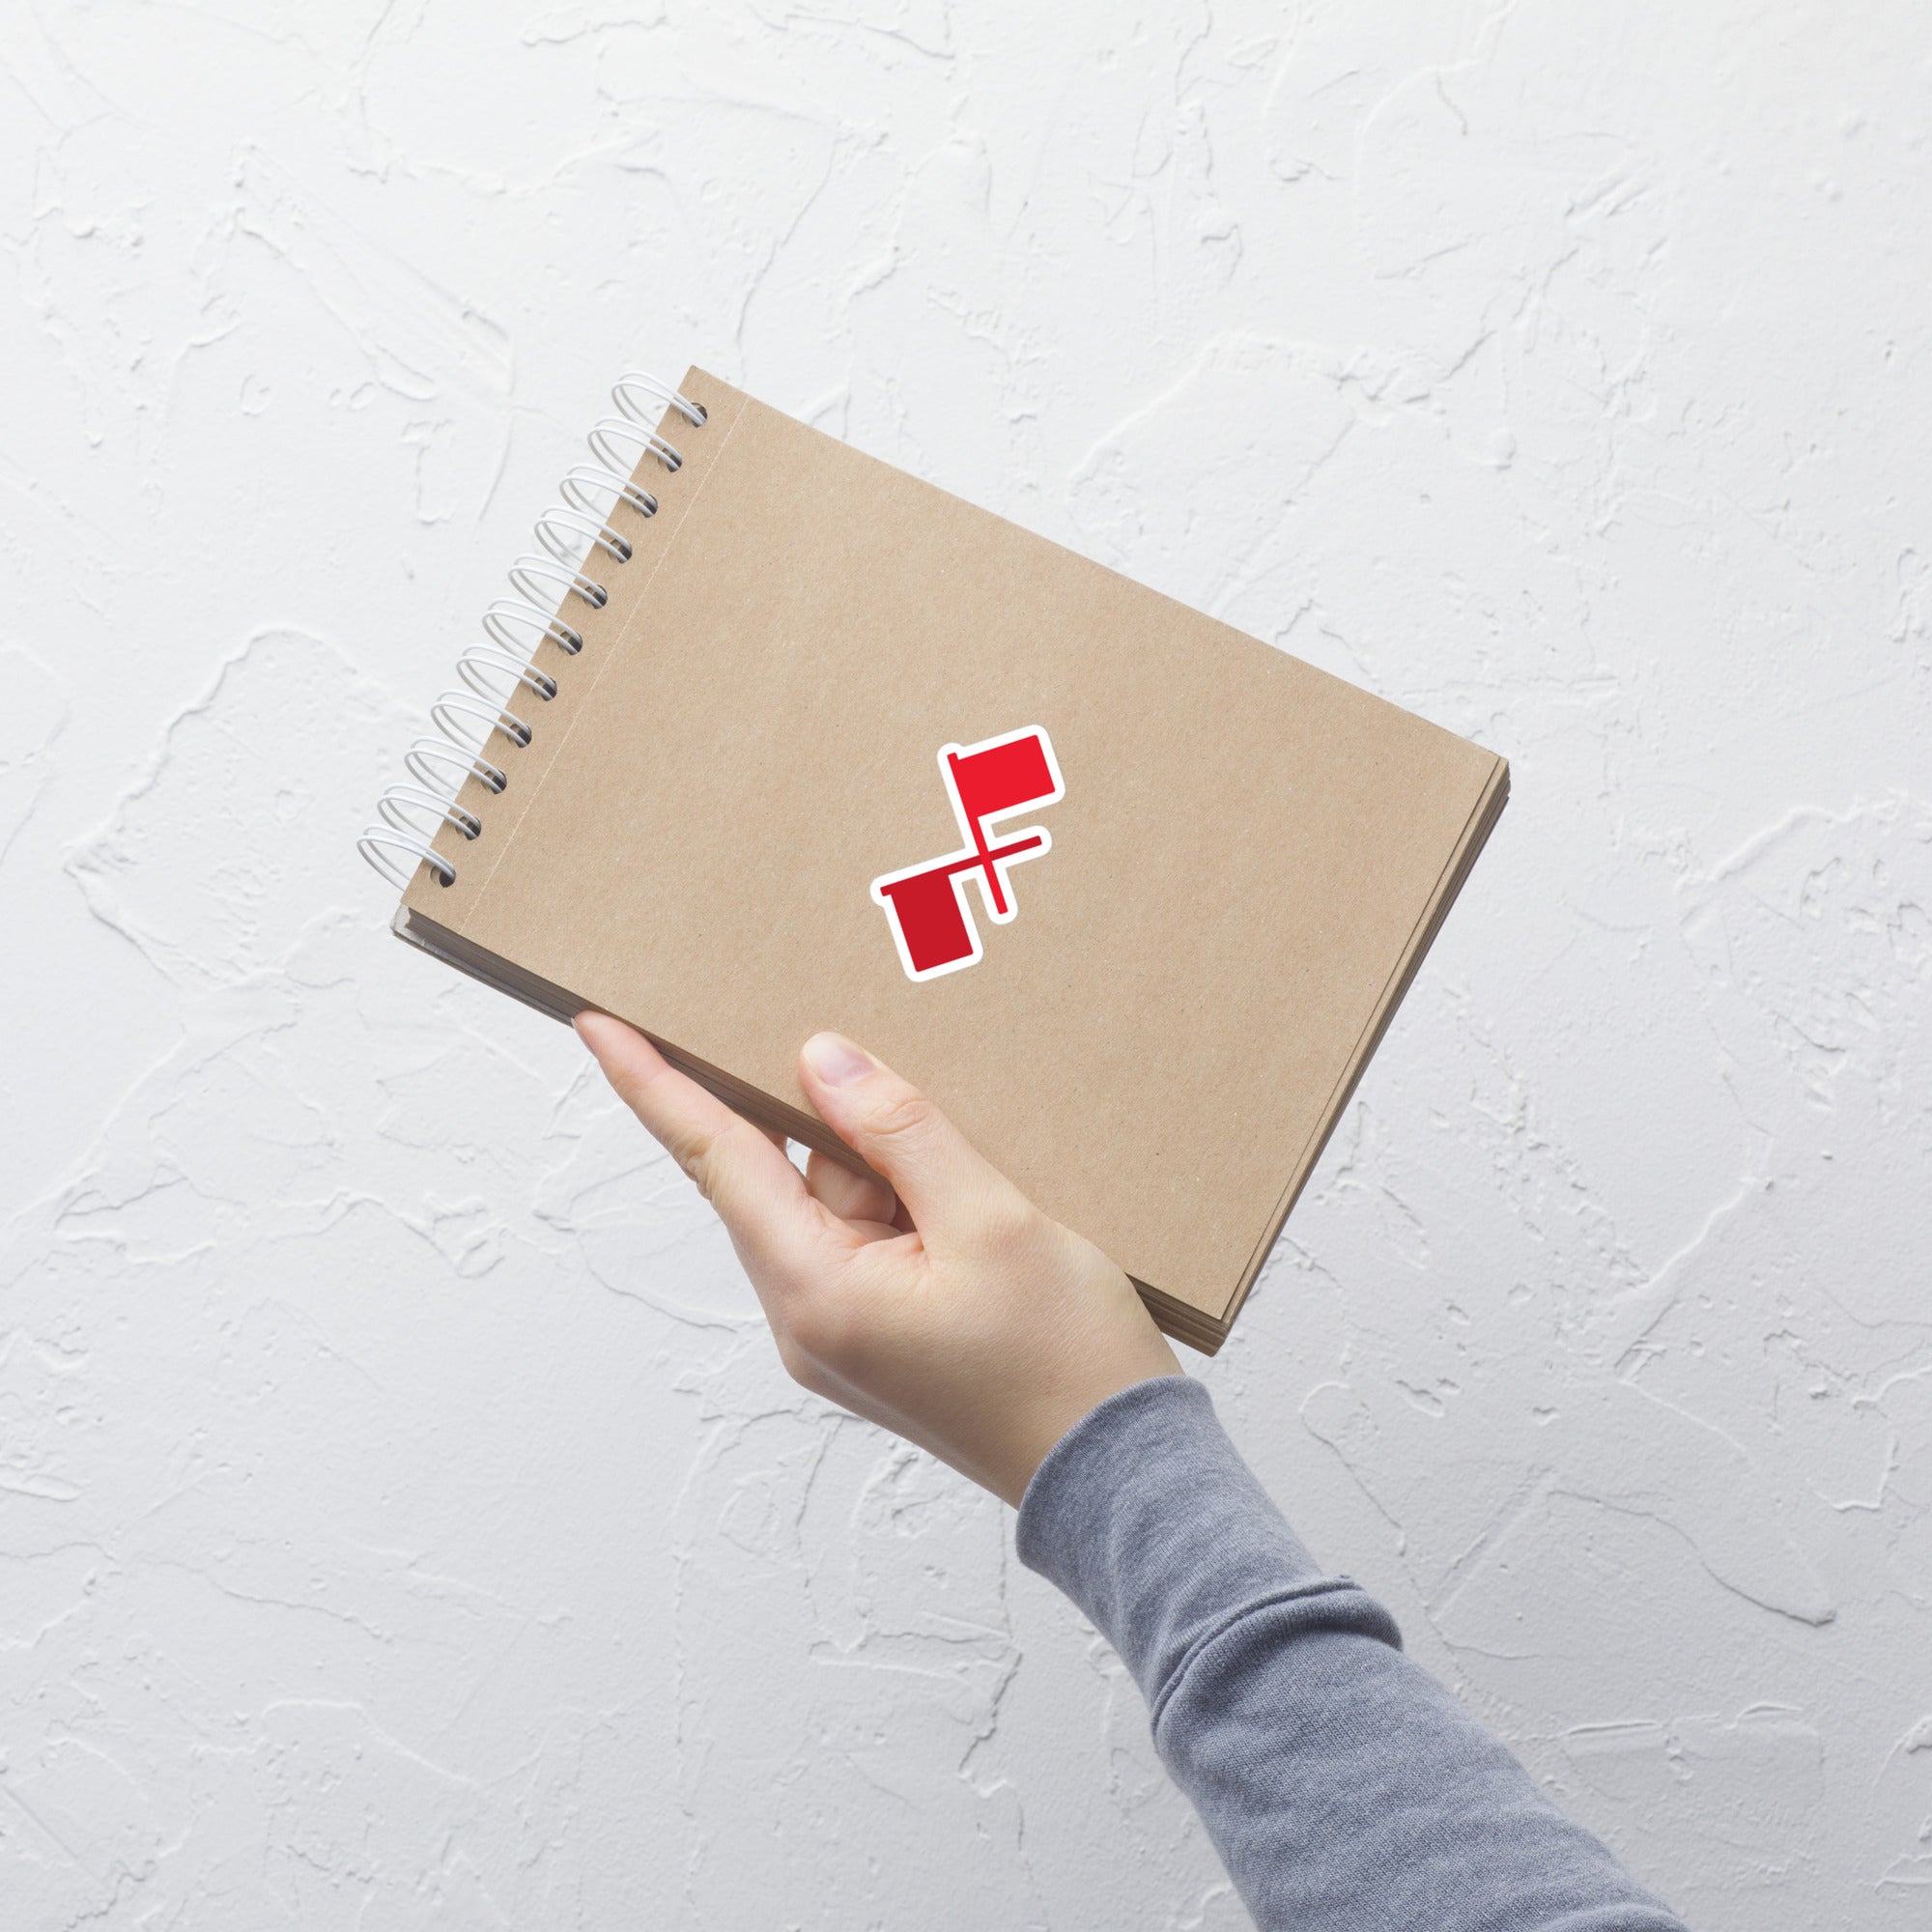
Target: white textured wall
[{"x": 405, "y": 1520}]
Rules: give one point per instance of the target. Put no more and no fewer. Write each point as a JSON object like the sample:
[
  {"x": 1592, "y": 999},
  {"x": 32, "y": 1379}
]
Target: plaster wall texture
[{"x": 405, "y": 1520}]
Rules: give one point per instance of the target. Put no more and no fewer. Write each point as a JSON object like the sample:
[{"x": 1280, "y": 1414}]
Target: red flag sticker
[{"x": 926, "y": 904}]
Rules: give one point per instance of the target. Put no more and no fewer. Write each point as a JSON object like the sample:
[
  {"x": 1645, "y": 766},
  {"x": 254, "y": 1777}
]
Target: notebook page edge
[{"x": 1485, "y": 812}]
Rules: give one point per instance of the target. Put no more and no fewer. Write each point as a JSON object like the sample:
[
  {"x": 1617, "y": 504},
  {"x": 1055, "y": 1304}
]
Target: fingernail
[{"x": 836, "y": 1060}]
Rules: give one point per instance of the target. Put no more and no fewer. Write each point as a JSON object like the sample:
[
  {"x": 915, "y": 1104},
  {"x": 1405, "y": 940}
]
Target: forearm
[{"x": 1343, "y": 1786}]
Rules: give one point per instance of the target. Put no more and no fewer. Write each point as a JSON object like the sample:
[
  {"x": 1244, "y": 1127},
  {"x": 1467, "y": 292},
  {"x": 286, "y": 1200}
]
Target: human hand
[{"x": 938, "y": 1302}]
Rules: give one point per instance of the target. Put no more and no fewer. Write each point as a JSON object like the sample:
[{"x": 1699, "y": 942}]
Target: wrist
[{"x": 1068, "y": 1402}]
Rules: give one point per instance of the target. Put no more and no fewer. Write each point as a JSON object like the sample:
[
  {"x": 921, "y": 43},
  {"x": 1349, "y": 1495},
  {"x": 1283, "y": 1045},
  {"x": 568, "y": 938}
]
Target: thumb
[{"x": 933, "y": 1168}]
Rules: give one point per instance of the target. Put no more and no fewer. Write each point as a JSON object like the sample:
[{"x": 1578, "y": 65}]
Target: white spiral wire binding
[
  {"x": 578, "y": 483},
  {"x": 403, "y": 806},
  {"x": 674, "y": 399},
  {"x": 423, "y": 757},
  {"x": 378, "y": 842},
  {"x": 481, "y": 663},
  {"x": 499, "y": 620},
  {"x": 562, "y": 532},
  {"x": 452, "y": 707},
  {"x": 570, "y": 534},
  {"x": 612, "y": 431},
  {"x": 530, "y": 571}
]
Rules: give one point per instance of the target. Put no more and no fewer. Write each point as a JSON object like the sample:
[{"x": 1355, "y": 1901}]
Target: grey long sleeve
[{"x": 1342, "y": 1784}]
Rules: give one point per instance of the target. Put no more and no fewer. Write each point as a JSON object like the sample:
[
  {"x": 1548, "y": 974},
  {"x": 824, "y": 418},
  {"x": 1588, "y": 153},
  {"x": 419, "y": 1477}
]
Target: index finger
[{"x": 758, "y": 1194}]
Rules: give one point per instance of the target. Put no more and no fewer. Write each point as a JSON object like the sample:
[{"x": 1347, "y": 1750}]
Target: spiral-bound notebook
[{"x": 775, "y": 738}]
